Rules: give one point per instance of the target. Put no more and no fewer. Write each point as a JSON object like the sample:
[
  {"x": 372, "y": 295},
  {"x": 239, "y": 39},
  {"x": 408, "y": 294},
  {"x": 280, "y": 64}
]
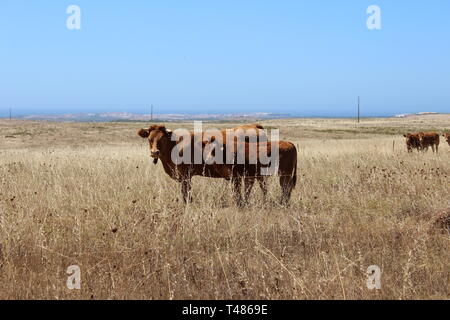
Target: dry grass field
[{"x": 87, "y": 194}]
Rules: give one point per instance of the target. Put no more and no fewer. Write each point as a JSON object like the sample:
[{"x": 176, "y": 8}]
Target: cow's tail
[{"x": 294, "y": 176}]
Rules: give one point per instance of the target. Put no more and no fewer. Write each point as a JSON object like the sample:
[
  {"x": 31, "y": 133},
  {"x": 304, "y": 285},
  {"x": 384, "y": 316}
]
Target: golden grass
[{"x": 74, "y": 194}]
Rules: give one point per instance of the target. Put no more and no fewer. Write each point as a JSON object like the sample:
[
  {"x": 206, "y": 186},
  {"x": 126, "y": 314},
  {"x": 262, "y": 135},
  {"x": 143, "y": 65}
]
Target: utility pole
[
  {"x": 10, "y": 112},
  {"x": 151, "y": 114},
  {"x": 359, "y": 109}
]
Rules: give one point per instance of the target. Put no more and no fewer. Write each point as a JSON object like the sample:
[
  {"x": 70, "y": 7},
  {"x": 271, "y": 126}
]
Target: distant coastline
[{"x": 177, "y": 117}]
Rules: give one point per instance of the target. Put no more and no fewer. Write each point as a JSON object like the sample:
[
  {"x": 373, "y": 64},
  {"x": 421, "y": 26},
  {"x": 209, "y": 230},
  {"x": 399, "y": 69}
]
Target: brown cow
[
  {"x": 412, "y": 142},
  {"x": 162, "y": 145},
  {"x": 251, "y": 167},
  {"x": 447, "y": 137},
  {"x": 429, "y": 139}
]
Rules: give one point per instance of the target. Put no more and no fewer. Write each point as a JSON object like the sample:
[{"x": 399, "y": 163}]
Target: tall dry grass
[{"x": 107, "y": 209}]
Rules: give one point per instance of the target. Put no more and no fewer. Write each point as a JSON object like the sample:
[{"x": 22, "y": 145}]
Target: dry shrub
[{"x": 443, "y": 221}]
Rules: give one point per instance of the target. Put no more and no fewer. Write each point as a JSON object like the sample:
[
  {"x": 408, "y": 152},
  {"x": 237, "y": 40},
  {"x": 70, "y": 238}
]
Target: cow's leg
[
  {"x": 287, "y": 184},
  {"x": 248, "y": 185},
  {"x": 186, "y": 186},
  {"x": 236, "y": 184},
  {"x": 263, "y": 185}
]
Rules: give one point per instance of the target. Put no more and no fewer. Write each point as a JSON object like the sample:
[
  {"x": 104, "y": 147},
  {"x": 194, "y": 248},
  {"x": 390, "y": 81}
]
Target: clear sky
[{"x": 310, "y": 57}]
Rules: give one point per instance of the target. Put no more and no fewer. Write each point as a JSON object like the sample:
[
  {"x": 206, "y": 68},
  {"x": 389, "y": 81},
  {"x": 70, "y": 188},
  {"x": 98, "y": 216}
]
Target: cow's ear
[
  {"x": 213, "y": 138},
  {"x": 143, "y": 133}
]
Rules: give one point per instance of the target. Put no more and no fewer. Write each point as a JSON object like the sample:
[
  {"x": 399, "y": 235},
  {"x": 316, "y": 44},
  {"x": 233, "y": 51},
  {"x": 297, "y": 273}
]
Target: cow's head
[
  {"x": 159, "y": 139},
  {"x": 420, "y": 137},
  {"x": 447, "y": 137}
]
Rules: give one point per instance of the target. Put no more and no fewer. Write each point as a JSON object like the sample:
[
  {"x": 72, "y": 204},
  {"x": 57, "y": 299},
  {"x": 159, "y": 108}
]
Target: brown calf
[
  {"x": 251, "y": 168},
  {"x": 412, "y": 142},
  {"x": 447, "y": 137},
  {"x": 429, "y": 139}
]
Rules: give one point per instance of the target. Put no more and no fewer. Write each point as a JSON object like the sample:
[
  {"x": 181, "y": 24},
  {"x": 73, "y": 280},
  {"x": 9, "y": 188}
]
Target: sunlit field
[{"x": 87, "y": 194}]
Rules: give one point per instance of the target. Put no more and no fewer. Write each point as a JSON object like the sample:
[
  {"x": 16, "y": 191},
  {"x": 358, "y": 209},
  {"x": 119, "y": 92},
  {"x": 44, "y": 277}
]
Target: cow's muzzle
[{"x": 155, "y": 154}]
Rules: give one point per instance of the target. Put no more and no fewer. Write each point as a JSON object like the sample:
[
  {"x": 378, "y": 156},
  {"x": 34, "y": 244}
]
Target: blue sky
[{"x": 299, "y": 57}]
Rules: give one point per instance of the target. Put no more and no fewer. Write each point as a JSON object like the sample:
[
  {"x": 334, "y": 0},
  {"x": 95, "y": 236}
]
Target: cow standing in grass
[
  {"x": 164, "y": 144},
  {"x": 249, "y": 165},
  {"x": 447, "y": 137},
  {"x": 412, "y": 142},
  {"x": 429, "y": 139}
]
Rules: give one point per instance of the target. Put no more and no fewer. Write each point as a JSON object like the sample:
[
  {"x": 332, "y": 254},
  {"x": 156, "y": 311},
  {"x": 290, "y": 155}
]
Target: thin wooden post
[{"x": 358, "y": 109}]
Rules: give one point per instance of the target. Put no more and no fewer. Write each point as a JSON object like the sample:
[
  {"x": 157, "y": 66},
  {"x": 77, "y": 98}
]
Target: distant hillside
[
  {"x": 406, "y": 115},
  {"x": 123, "y": 116}
]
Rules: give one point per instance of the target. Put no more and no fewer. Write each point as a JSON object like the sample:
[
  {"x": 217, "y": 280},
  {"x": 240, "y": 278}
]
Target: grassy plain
[{"x": 87, "y": 194}]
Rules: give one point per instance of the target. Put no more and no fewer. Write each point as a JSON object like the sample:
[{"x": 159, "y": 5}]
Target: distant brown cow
[
  {"x": 412, "y": 142},
  {"x": 251, "y": 167},
  {"x": 429, "y": 139},
  {"x": 162, "y": 144},
  {"x": 447, "y": 137}
]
